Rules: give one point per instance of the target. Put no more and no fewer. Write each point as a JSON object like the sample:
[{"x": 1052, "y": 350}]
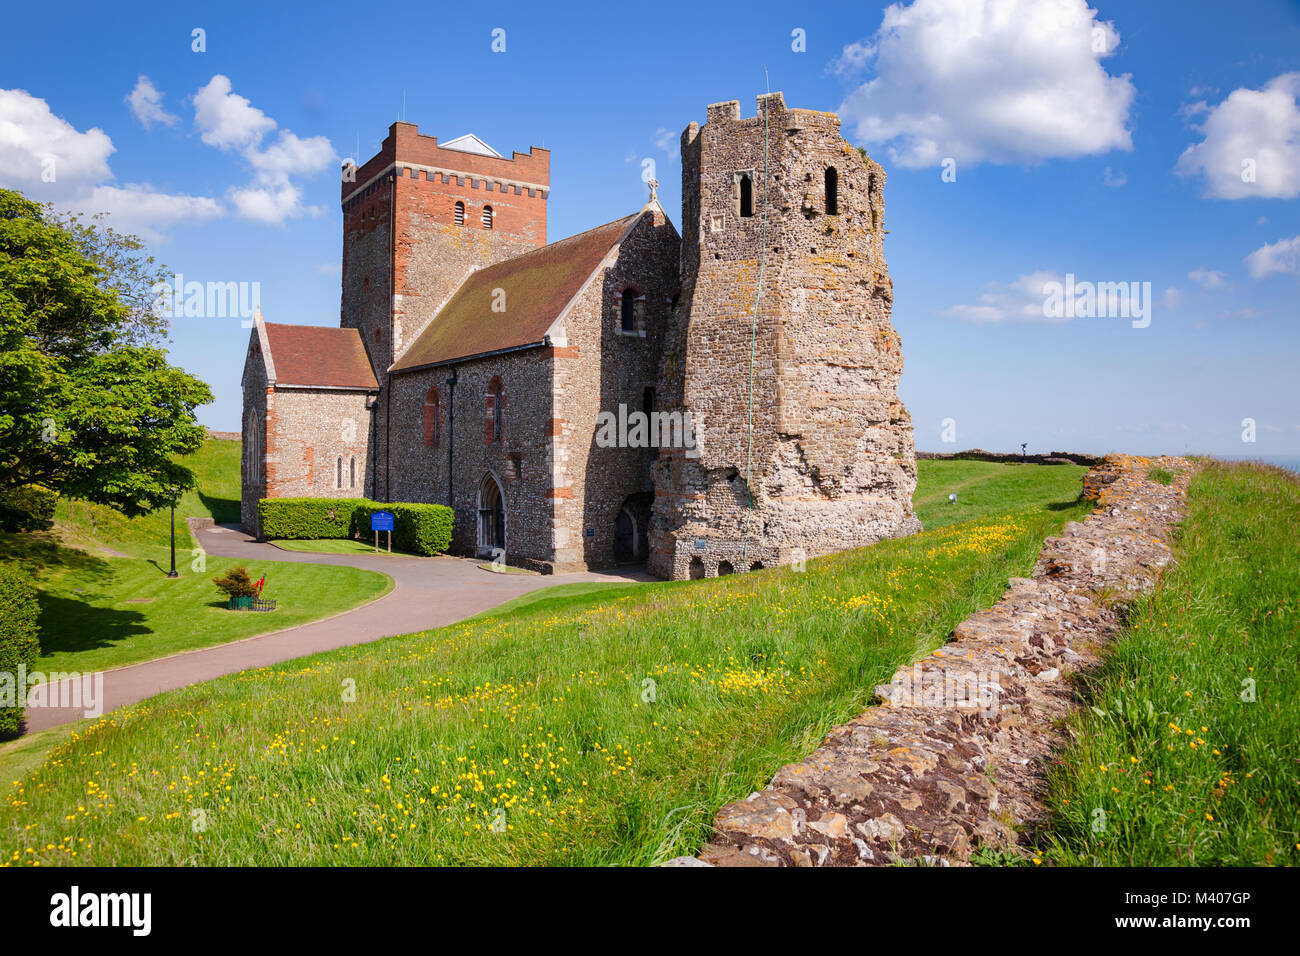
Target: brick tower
[
  {"x": 419, "y": 217},
  {"x": 803, "y": 399}
]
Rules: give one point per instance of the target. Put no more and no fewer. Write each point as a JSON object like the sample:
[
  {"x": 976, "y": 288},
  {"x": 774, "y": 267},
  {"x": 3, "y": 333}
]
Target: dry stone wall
[{"x": 958, "y": 748}]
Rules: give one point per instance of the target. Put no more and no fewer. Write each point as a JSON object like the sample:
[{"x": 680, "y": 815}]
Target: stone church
[{"x": 479, "y": 366}]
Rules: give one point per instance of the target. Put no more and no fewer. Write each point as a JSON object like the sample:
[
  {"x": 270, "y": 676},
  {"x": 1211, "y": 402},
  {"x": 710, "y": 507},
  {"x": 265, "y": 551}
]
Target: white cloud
[
  {"x": 1208, "y": 279},
  {"x": 43, "y": 155},
  {"x": 1173, "y": 298},
  {"x": 140, "y": 209},
  {"x": 146, "y": 103},
  {"x": 330, "y": 268},
  {"x": 227, "y": 120},
  {"x": 1019, "y": 300},
  {"x": 1253, "y": 134},
  {"x": 1281, "y": 256},
  {"x": 35, "y": 143},
  {"x": 669, "y": 142},
  {"x": 1114, "y": 179},
  {"x": 989, "y": 81}
]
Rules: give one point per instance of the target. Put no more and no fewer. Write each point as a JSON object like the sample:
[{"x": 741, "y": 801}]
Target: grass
[
  {"x": 603, "y": 727},
  {"x": 106, "y": 600},
  {"x": 1187, "y": 753},
  {"x": 985, "y": 487},
  {"x": 1161, "y": 475}
]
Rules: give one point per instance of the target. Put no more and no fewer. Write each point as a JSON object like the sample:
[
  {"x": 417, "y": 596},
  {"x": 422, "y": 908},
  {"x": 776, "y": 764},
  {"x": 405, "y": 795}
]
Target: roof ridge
[{"x": 559, "y": 242}]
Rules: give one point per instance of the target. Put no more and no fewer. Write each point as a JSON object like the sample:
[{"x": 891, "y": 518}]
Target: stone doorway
[
  {"x": 631, "y": 544},
  {"x": 491, "y": 516}
]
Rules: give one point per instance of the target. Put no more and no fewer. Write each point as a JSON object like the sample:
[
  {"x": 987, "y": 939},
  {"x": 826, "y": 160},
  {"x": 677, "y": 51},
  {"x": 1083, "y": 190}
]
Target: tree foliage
[{"x": 89, "y": 407}]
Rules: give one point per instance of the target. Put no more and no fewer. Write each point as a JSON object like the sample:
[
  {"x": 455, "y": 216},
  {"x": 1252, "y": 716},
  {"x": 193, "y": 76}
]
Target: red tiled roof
[
  {"x": 537, "y": 285},
  {"x": 320, "y": 356}
]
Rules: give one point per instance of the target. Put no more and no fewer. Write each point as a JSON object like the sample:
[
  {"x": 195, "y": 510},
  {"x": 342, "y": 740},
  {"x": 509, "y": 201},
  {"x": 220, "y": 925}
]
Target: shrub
[
  {"x": 19, "y": 637},
  {"x": 308, "y": 518},
  {"x": 418, "y": 528},
  {"x": 27, "y": 508},
  {"x": 237, "y": 582}
]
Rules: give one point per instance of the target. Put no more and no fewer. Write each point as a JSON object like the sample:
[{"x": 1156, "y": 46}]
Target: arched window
[
  {"x": 432, "y": 419},
  {"x": 746, "y": 197},
  {"x": 352, "y": 472},
  {"x": 494, "y": 424},
  {"x": 253, "y": 449},
  {"x": 460, "y": 213},
  {"x": 832, "y": 191},
  {"x": 338, "y": 473},
  {"x": 627, "y": 313},
  {"x": 487, "y": 217}
]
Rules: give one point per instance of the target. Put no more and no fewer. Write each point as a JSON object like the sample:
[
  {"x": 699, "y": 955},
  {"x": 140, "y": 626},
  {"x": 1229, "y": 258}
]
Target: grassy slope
[
  {"x": 1184, "y": 770},
  {"x": 608, "y": 728},
  {"x": 100, "y": 611}
]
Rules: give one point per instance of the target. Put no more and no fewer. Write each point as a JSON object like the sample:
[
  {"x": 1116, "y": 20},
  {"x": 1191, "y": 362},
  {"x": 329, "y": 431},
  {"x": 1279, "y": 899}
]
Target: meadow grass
[
  {"x": 604, "y": 727},
  {"x": 1187, "y": 751}
]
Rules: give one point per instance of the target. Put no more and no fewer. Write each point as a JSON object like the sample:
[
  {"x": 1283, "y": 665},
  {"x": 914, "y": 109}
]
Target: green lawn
[
  {"x": 99, "y": 610},
  {"x": 1187, "y": 755},
  {"x": 596, "y": 728},
  {"x": 985, "y": 487}
]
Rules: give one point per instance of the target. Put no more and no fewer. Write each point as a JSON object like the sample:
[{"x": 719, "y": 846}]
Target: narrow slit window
[
  {"x": 832, "y": 191},
  {"x": 338, "y": 474},
  {"x": 627, "y": 313},
  {"x": 487, "y": 217},
  {"x": 460, "y": 213},
  {"x": 746, "y": 197},
  {"x": 352, "y": 473}
]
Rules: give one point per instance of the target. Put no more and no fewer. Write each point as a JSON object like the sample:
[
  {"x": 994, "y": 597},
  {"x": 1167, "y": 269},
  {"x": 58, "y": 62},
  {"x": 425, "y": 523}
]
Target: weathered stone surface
[
  {"x": 957, "y": 750},
  {"x": 780, "y": 203}
]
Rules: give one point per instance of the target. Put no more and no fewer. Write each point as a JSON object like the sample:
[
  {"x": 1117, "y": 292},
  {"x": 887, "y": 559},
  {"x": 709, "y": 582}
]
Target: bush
[
  {"x": 418, "y": 528},
  {"x": 307, "y": 518},
  {"x": 19, "y": 638},
  {"x": 237, "y": 582},
  {"x": 27, "y": 508}
]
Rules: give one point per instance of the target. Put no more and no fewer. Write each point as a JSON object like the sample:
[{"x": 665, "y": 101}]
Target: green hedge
[
  {"x": 19, "y": 638},
  {"x": 421, "y": 529}
]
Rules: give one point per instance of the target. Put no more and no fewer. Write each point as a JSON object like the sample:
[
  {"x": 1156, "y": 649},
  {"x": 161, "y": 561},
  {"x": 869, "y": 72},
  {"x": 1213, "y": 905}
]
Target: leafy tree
[
  {"x": 88, "y": 408},
  {"x": 237, "y": 582}
]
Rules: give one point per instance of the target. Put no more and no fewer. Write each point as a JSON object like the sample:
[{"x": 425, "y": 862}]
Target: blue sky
[{"x": 1104, "y": 142}]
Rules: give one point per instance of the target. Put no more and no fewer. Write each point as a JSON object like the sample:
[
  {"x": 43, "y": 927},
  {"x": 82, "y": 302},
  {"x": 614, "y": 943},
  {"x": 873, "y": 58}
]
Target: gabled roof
[
  {"x": 317, "y": 356},
  {"x": 531, "y": 292},
  {"x": 469, "y": 143}
]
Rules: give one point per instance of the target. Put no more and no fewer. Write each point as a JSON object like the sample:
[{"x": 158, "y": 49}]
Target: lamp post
[{"x": 173, "y": 573}]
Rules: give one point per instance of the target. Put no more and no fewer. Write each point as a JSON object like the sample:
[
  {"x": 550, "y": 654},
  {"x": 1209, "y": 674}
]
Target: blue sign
[{"x": 381, "y": 521}]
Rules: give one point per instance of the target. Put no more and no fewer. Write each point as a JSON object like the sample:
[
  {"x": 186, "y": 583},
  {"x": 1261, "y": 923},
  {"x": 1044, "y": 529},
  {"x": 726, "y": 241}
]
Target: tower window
[
  {"x": 338, "y": 474},
  {"x": 487, "y": 217},
  {"x": 432, "y": 419},
  {"x": 495, "y": 423},
  {"x": 352, "y": 472},
  {"x": 832, "y": 191},
  {"x": 460, "y": 214},
  {"x": 627, "y": 313},
  {"x": 746, "y": 197}
]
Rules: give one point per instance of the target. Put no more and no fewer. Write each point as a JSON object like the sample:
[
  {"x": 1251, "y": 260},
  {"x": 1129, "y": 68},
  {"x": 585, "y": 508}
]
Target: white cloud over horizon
[
  {"x": 1282, "y": 256},
  {"x": 1020, "y": 300},
  {"x": 1000, "y": 81}
]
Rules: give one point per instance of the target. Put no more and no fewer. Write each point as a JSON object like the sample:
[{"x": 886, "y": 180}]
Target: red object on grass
[{"x": 258, "y": 585}]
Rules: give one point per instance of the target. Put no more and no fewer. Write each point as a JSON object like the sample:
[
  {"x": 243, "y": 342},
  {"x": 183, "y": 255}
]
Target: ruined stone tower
[{"x": 800, "y": 396}]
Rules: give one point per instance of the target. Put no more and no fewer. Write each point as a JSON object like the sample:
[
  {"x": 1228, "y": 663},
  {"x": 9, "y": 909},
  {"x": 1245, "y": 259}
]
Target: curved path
[{"x": 428, "y": 593}]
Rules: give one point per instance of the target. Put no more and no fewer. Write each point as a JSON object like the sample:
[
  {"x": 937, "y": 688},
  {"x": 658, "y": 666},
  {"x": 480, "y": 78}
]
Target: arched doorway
[
  {"x": 626, "y": 535},
  {"x": 491, "y": 516}
]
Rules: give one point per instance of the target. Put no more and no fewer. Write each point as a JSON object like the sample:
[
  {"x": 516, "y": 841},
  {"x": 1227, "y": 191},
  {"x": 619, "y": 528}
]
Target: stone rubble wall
[{"x": 957, "y": 758}]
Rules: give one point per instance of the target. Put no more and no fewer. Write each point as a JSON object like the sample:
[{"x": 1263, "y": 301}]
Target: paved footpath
[{"x": 428, "y": 593}]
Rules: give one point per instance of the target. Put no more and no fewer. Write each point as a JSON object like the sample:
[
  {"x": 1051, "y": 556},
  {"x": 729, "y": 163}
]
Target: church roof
[
  {"x": 469, "y": 143},
  {"x": 318, "y": 356},
  {"x": 530, "y": 291}
]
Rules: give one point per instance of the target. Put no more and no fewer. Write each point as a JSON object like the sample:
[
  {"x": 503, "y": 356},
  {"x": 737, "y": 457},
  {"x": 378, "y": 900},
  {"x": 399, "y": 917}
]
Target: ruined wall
[{"x": 830, "y": 450}]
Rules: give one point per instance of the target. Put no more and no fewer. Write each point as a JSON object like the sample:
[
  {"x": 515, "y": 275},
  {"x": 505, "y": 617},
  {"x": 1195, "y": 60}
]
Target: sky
[{"x": 1149, "y": 143}]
